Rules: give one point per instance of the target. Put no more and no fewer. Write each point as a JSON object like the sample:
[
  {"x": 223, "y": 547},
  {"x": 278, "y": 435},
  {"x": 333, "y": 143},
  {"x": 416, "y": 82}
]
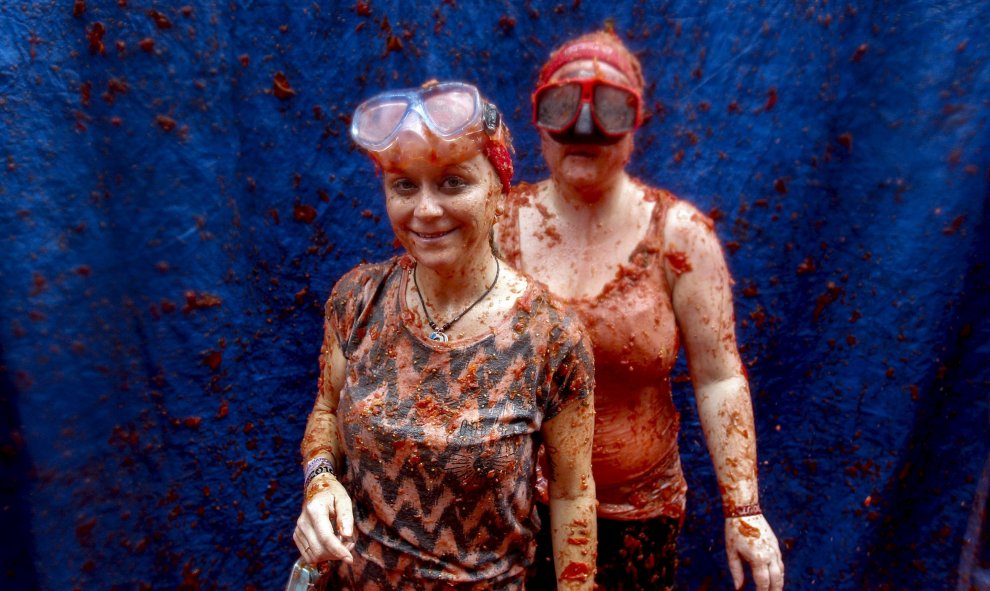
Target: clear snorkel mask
[{"x": 438, "y": 122}]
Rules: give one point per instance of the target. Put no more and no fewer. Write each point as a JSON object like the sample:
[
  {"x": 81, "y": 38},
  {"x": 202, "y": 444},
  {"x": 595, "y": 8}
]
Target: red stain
[
  {"x": 198, "y": 301},
  {"x": 780, "y": 185},
  {"x": 192, "y": 422},
  {"x": 85, "y": 90},
  {"x": 165, "y": 122},
  {"x": 955, "y": 226},
  {"x": 846, "y": 141},
  {"x": 393, "y": 44},
  {"x": 363, "y": 8},
  {"x": 84, "y": 530},
  {"x": 281, "y": 88},
  {"x": 771, "y": 99},
  {"x": 161, "y": 21},
  {"x": 304, "y": 213},
  {"x": 806, "y": 266},
  {"x": 115, "y": 87},
  {"x": 748, "y": 531},
  {"x": 223, "y": 410},
  {"x": 575, "y": 571},
  {"x": 678, "y": 261},
  {"x": 833, "y": 292},
  {"x": 147, "y": 44},
  {"x": 506, "y": 23},
  {"x": 95, "y": 37},
  {"x": 860, "y": 52},
  {"x": 301, "y": 295},
  {"x": 38, "y": 284},
  {"x": 213, "y": 359},
  {"x": 190, "y": 578},
  {"x": 78, "y": 8}
]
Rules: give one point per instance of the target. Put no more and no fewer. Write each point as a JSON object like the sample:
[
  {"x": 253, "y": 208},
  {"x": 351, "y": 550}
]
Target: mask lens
[
  {"x": 451, "y": 110},
  {"x": 379, "y": 120},
  {"x": 615, "y": 109},
  {"x": 556, "y": 106}
]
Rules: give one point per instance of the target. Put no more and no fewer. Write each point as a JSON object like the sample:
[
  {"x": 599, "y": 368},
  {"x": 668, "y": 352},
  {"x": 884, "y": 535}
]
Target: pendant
[{"x": 438, "y": 336}]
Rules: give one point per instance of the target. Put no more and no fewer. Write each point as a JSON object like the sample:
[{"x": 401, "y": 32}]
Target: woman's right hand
[{"x": 325, "y": 528}]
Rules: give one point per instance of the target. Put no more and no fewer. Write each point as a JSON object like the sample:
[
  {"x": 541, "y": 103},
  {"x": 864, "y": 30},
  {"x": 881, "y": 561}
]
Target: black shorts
[{"x": 632, "y": 555}]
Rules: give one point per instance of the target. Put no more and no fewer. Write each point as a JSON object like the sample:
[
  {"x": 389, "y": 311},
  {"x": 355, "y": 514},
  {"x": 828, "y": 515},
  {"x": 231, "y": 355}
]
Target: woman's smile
[{"x": 434, "y": 236}]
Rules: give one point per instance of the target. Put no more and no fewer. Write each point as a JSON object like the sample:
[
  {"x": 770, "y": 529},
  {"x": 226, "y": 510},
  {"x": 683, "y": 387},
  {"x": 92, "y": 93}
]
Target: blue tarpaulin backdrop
[{"x": 179, "y": 194}]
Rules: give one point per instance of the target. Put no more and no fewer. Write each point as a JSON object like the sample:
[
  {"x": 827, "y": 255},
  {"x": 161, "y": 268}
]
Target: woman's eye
[
  {"x": 452, "y": 182},
  {"x": 403, "y": 186}
]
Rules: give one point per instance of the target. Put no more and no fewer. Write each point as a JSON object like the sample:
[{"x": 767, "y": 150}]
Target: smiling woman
[
  {"x": 442, "y": 213},
  {"x": 440, "y": 371}
]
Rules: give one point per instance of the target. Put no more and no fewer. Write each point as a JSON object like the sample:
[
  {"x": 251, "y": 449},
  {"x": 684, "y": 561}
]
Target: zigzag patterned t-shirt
[{"x": 440, "y": 439}]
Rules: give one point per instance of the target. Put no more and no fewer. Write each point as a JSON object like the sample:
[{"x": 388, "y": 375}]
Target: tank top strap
[
  {"x": 508, "y": 227},
  {"x": 653, "y": 243}
]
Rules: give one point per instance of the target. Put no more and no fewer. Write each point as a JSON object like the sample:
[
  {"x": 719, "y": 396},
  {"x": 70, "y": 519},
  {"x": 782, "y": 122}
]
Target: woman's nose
[{"x": 427, "y": 205}]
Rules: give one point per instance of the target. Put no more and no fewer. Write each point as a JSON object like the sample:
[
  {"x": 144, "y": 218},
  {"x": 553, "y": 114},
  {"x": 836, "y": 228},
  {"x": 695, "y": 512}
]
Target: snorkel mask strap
[{"x": 496, "y": 148}]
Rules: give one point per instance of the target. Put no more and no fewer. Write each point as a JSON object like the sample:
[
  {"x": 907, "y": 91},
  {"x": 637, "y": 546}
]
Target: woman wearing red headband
[
  {"x": 441, "y": 371},
  {"x": 645, "y": 272}
]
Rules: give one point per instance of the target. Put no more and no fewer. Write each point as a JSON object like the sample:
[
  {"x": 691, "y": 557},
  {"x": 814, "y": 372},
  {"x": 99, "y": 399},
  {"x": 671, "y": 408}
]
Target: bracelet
[
  {"x": 741, "y": 510},
  {"x": 315, "y": 467}
]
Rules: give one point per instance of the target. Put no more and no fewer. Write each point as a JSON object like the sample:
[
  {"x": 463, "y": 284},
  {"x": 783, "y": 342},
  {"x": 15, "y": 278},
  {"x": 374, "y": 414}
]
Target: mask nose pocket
[{"x": 584, "y": 125}]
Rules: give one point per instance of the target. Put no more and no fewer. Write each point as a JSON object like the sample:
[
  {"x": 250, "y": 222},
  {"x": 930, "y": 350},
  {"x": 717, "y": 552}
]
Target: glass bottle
[{"x": 305, "y": 577}]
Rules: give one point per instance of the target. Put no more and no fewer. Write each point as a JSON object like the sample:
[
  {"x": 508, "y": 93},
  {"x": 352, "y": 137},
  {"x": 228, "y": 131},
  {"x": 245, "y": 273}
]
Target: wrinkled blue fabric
[{"x": 172, "y": 224}]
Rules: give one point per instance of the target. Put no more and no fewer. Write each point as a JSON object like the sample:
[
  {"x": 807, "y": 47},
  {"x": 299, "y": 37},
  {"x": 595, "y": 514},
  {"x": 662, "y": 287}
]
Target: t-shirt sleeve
[
  {"x": 347, "y": 302},
  {"x": 573, "y": 374}
]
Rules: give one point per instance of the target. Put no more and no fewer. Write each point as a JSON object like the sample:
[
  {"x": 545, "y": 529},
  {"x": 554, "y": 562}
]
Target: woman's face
[
  {"x": 442, "y": 212},
  {"x": 586, "y": 165}
]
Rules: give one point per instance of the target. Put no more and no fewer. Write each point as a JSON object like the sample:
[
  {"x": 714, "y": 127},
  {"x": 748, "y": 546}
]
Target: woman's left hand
[{"x": 750, "y": 539}]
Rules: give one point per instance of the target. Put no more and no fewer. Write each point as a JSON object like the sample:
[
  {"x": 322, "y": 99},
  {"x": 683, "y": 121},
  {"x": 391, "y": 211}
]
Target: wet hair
[{"x": 605, "y": 46}]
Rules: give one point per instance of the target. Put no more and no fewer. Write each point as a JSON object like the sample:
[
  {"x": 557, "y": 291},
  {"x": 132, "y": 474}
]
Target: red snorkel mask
[{"x": 589, "y": 106}]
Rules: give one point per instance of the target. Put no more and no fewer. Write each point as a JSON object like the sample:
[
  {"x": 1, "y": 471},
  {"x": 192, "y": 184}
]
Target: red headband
[
  {"x": 590, "y": 50},
  {"x": 500, "y": 158}
]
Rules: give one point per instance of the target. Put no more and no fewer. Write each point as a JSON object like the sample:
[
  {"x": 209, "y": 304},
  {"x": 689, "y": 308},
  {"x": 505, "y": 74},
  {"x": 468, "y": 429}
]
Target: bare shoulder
[
  {"x": 516, "y": 283},
  {"x": 526, "y": 195},
  {"x": 685, "y": 224}
]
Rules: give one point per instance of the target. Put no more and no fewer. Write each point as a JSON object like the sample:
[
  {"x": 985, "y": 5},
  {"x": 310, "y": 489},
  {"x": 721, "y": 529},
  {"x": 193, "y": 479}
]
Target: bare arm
[
  {"x": 568, "y": 438},
  {"x": 326, "y": 523},
  {"x": 702, "y": 301}
]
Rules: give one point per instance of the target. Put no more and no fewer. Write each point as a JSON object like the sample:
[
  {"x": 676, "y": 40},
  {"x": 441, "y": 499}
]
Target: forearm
[
  {"x": 575, "y": 540},
  {"x": 726, "y": 414},
  {"x": 320, "y": 437}
]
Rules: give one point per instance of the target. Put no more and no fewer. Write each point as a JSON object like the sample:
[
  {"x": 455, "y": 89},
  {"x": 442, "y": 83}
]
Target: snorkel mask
[
  {"x": 589, "y": 108},
  {"x": 438, "y": 122}
]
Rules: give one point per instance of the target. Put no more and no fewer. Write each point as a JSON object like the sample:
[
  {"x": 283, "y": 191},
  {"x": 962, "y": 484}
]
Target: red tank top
[{"x": 635, "y": 338}]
